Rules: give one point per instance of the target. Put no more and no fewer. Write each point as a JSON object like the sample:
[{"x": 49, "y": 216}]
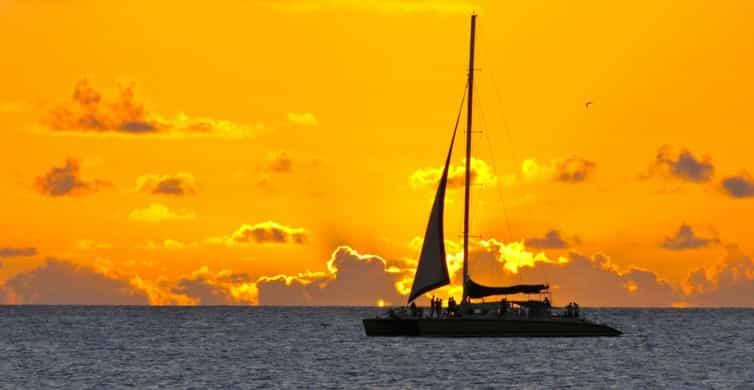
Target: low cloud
[
  {"x": 157, "y": 212},
  {"x": 62, "y": 283},
  {"x": 67, "y": 180},
  {"x": 683, "y": 165},
  {"x": 303, "y": 119},
  {"x": 87, "y": 245},
  {"x": 268, "y": 232},
  {"x": 569, "y": 170},
  {"x": 178, "y": 184},
  {"x": 588, "y": 280},
  {"x": 739, "y": 186},
  {"x": 17, "y": 252},
  {"x": 595, "y": 281},
  {"x": 351, "y": 279},
  {"x": 355, "y": 279},
  {"x": 279, "y": 162},
  {"x": 728, "y": 283},
  {"x": 553, "y": 239},
  {"x": 168, "y": 244},
  {"x": 481, "y": 174},
  {"x": 276, "y": 163},
  {"x": 90, "y": 111},
  {"x": 685, "y": 239},
  {"x": 222, "y": 288}
]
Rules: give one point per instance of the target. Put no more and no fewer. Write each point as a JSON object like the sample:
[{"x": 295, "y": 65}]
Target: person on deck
[
  {"x": 503, "y": 307},
  {"x": 432, "y": 308}
]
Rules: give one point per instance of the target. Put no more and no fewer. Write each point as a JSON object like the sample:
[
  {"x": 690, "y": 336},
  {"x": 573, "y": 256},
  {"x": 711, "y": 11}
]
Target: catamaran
[{"x": 522, "y": 317}]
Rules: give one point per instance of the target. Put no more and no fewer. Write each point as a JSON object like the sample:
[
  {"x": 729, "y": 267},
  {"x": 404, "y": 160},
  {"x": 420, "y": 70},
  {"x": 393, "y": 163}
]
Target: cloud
[
  {"x": 594, "y": 281},
  {"x": 355, "y": 279},
  {"x": 481, "y": 174},
  {"x": 489, "y": 260},
  {"x": 178, "y": 184},
  {"x": 157, "y": 212},
  {"x": 591, "y": 281},
  {"x": 573, "y": 170},
  {"x": 66, "y": 180},
  {"x": 279, "y": 162},
  {"x": 89, "y": 111},
  {"x": 569, "y": 170},
  {"x": 385, "y": 6},
  {"x": 92, "y": 244},
  {"x": 223, "y": 288},
  {"x": 351, "y": 279},
  {"x": 204, "y": 292},
  {"x": 168, "y": 244},
  {"x": 728, "y": 283},
  {"x": 683, "y": 166},
  {"x": 552, "y": 240},
  {"x": 17, "y": 252},
  {"x": 268, "y": 232},
  {"x": 60, "y": 282},
  {"x": 740, "y": 186},
  {"x": 684, "y": 239},
  {"x": 303, "y": 119}
]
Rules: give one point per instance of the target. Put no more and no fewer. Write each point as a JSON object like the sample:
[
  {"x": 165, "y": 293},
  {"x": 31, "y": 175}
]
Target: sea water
[{"x": 307, "y": 347}]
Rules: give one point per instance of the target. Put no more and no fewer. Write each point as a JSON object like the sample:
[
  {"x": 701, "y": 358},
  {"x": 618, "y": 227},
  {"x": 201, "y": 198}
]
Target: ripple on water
[{"x": 247, "y": 347}]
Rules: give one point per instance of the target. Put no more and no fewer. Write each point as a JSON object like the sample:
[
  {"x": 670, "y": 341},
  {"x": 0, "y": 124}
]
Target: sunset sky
[{"x": 287, "y": 152}]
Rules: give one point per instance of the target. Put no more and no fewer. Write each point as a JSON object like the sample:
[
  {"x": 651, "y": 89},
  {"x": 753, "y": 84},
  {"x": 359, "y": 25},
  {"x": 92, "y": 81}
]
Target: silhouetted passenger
[{"x": 546, "y": 302}]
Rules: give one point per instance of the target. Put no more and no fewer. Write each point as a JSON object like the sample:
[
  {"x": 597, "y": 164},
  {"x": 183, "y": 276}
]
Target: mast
[{"x": 467, "y": 197}]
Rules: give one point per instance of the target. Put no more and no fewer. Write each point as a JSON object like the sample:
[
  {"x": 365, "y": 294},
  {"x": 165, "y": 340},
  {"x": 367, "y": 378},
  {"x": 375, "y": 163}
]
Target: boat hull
[{"x": 469, "y": 327}]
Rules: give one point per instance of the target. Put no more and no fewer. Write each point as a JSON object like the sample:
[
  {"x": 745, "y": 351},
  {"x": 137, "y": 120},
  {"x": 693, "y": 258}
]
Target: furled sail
[
  {"x": 432, "y": 270},
  {"x": 476, "y": 290}
]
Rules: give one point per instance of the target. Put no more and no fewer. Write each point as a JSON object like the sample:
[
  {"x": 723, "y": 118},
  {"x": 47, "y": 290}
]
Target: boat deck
[{"x": 486, "y": 327}]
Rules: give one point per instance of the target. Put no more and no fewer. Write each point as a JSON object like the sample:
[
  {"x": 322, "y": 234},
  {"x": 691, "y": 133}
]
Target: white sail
[{"x": 432, "y": 270}]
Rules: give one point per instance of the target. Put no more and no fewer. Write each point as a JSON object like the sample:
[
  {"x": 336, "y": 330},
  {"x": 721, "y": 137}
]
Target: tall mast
[{"x": 467, "y": 198}]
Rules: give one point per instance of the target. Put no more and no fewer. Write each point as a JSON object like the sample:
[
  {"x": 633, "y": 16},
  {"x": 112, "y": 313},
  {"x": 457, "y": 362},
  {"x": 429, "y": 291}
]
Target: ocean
[{"x": 310, "y": 347}]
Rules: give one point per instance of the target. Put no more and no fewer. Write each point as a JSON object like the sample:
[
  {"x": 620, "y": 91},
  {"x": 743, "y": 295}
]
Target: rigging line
[
  {"x": 514, "y": 155},
  {"x": 508, "y": 133},
  {"x": 487, "y": 137},
  {"x": 496, "y": 172},
  {"x": 499, "y": 189},
  {"x": 506, "y": 128}
]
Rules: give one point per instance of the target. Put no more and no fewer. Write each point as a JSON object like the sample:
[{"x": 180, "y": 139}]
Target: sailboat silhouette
[{"x": 504, "y": 318}]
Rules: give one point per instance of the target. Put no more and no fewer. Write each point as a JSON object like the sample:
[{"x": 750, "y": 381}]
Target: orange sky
[{"x": 201, "y": 147}]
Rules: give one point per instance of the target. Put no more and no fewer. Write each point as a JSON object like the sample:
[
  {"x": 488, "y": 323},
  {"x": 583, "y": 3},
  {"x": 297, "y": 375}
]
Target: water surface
[{"x": 252, "y": 347}]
